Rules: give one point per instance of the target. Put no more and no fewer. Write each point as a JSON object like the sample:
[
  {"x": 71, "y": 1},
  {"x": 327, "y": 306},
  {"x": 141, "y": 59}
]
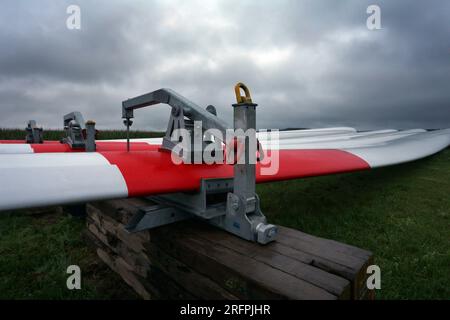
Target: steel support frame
[
  {"x": 79, "y": 134},
  {"x": 34, "y": 133},
  {"x": 230, "y": 204},
  {"x": 183, "y": 115}
]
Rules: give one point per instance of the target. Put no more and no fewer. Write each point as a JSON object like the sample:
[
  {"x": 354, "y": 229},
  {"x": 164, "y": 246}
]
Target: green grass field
[
  {"x": 13, "y": 134},
  {"x": 401, "y": 213}
]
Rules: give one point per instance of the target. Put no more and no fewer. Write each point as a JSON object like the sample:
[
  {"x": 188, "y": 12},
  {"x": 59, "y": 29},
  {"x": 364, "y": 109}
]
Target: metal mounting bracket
[
  {"x": 79, "y": 134},
  {"x": 215, "y": 203},
  {"x": 231, "y": 203},
  {"x": 34, "y": 133},
  {"x": 155, "y": 216},
  {"x": 183, "y": 115},
  {"x": 205, "y": 204},
  {"x": 208, "y": 203}
]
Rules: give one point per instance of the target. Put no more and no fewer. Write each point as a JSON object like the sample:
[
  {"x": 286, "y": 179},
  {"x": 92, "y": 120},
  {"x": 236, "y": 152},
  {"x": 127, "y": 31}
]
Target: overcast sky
[{"x": 307, "y": 63}]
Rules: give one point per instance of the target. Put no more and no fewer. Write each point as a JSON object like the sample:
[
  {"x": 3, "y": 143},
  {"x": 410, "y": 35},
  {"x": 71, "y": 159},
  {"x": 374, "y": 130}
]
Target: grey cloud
[{"x": 308, "y": 63}]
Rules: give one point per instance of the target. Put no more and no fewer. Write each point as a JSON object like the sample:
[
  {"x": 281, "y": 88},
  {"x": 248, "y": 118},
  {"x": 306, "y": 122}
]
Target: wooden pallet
[{"x": 192, "y": 260}]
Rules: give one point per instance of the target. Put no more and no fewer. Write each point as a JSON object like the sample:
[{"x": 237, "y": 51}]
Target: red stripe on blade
[
  {"x": 153, "y": 172},
  {"x": 101, "y": 147}
]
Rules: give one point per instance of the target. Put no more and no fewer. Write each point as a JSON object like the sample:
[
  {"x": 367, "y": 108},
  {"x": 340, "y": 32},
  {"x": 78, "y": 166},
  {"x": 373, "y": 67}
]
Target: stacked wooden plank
[{"x": 192, "y": 260}]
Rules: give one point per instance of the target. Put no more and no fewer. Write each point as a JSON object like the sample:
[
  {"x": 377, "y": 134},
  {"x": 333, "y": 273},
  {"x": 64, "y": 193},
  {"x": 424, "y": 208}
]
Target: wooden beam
[{"x": 198, "y": 261}]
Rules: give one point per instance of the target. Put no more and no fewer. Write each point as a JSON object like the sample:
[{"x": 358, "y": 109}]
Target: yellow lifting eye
[{"x": 239, "y": 98}]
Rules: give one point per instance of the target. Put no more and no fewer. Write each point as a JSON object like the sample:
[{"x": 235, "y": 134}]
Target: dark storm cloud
[
  {"x": 308, "y": 63},
  {"x": 41, "y": 45}
]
